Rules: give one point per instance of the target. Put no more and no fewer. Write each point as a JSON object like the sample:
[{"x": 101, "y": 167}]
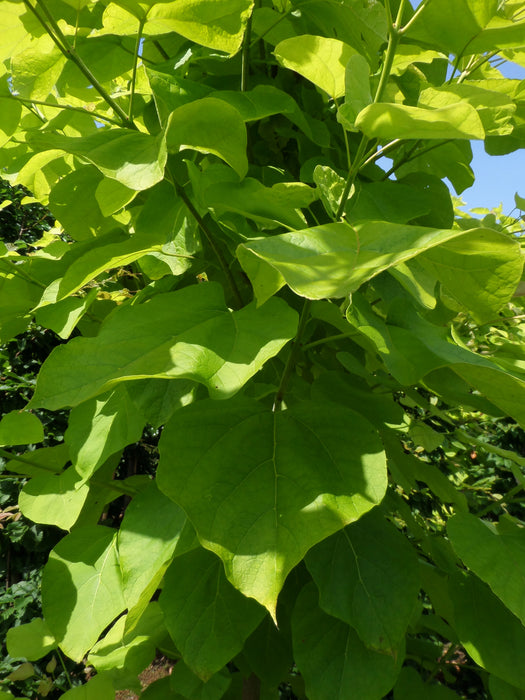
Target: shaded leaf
[
  {"x": 495, "y": 553},
  {"x": 367, "y": 575},
  {"x": 153, "y": 530},
  {"x": 208, "y": 619},
  {"x": 100, "y": 427},
  {"x": 333, "y": 660}
]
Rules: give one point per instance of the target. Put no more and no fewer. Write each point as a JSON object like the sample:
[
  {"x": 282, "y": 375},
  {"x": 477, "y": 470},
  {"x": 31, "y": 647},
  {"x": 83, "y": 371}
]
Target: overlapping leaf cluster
[{"x": 234, "y": 266}]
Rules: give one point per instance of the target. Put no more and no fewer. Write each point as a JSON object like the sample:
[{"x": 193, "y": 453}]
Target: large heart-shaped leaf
[
  {"x": 262, "y": 487},
  {"x": 186, "y": 334}
]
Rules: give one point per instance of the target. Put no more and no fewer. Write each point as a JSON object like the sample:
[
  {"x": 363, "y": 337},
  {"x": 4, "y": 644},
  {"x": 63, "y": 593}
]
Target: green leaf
[
  {"x": 218, "y": 24},
  {"x": 209, "y": 126},
  {"x": 98, "y": 688},
  {"x": 54, "y": 499},
  {"x": 100, "y": 427},
  {"x": 499, "y": 690},
  {"x": 133, "y": 158},
  {"x": 207, "y": 618},
  {"x": 153, "y": 531},
  {"x": 321, "y": 60},
  {"x": 82, "y": 589},
  {"x": 367, "y": 575},
  {"x": 492, "y": 635},
  {"x": 388, "y": 201},
  {"x": 63, "y": 316},
  {"x": 357, "y": 90},
  {"x": 495, "y": 553},
  {"x": 269, "y": 652},
  {"x": 451, "y": 25},
  {"x": 298, "y": 483},
  {"x": 271, "y": 206},
  {"x": 184, "y": 334},
  {"x": 331, "y": 187},
  {"x": 158, "y": 399},
  {"x": 20, "y": 428},
  {"x": 123, "y": 656},
  {"x": 41, "y": 462},
  {"x": 519, "y": 201},
  {"x": 394, "y": 121},
  {"x": 495, "y": 109},
  {"x": 333, "y": 660},
  {"x": 410, "y": 686},
  {"x": 37, "y": 68},
  {"x": 187, "y": 685},
  {"x": 31, "y": 641},
  {"x": 10, "y": 113},
  {"x": 335, "y": 259}
]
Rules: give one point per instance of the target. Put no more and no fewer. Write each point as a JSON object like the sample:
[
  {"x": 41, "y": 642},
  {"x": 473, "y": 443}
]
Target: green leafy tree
[{"x": 233, "y": 266}]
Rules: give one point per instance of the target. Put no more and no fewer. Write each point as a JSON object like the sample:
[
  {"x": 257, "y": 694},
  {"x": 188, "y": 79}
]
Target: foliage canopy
[{"x": 317, "y": 336}]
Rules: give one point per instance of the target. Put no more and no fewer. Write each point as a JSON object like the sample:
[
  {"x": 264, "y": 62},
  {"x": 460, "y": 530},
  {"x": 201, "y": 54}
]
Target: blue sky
[{"x": 497, "y": 177}]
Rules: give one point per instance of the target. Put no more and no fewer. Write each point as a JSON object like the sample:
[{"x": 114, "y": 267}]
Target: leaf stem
[
  {"x": 499, "y": 451},
  {"x": 136, "y": 57},
  {"x": 69, "y": 52},
  {"x": 210, "y": 238},
  {"x": 245, "y": 55},
  {"x": 328, "y": 339},
  {"x": 506, "y": 499},
  {"x": 96, "y": 115},
  {"x": 416, "y": 14},
  {"x": 62, "y": 663},
  {"x": 393, "y": 40},
  {"x": 290, "y": 362},
  {"x": 126, "y": 490}
]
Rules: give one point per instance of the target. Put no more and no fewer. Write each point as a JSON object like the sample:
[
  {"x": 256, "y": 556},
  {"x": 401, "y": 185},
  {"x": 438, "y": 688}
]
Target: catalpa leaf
[
  {"x": 333, "y": 660},
  {"x": 367, "y": 575},
  {"x": 491, "y": 634},
  {"x": 135, "y": 159},
  {"x": 54, "y": 499},
  {"x": 333, "y": 260},
  {"x": 218, "y": 24},
  {"x": 261, "y": 509},
  {"x": 394, "y": 121},
  {"x": 208, "y": 619},
  {"x": 209, "y": 126},
  {"x": 184, "y": 334},
  {"x": 321, "y": 60},
  {"x": 496, "y": 553},
  {"x": 82, "y": 588},
  {"x": 32, "y": 640},
  {"x": 154, "y": 530}
]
